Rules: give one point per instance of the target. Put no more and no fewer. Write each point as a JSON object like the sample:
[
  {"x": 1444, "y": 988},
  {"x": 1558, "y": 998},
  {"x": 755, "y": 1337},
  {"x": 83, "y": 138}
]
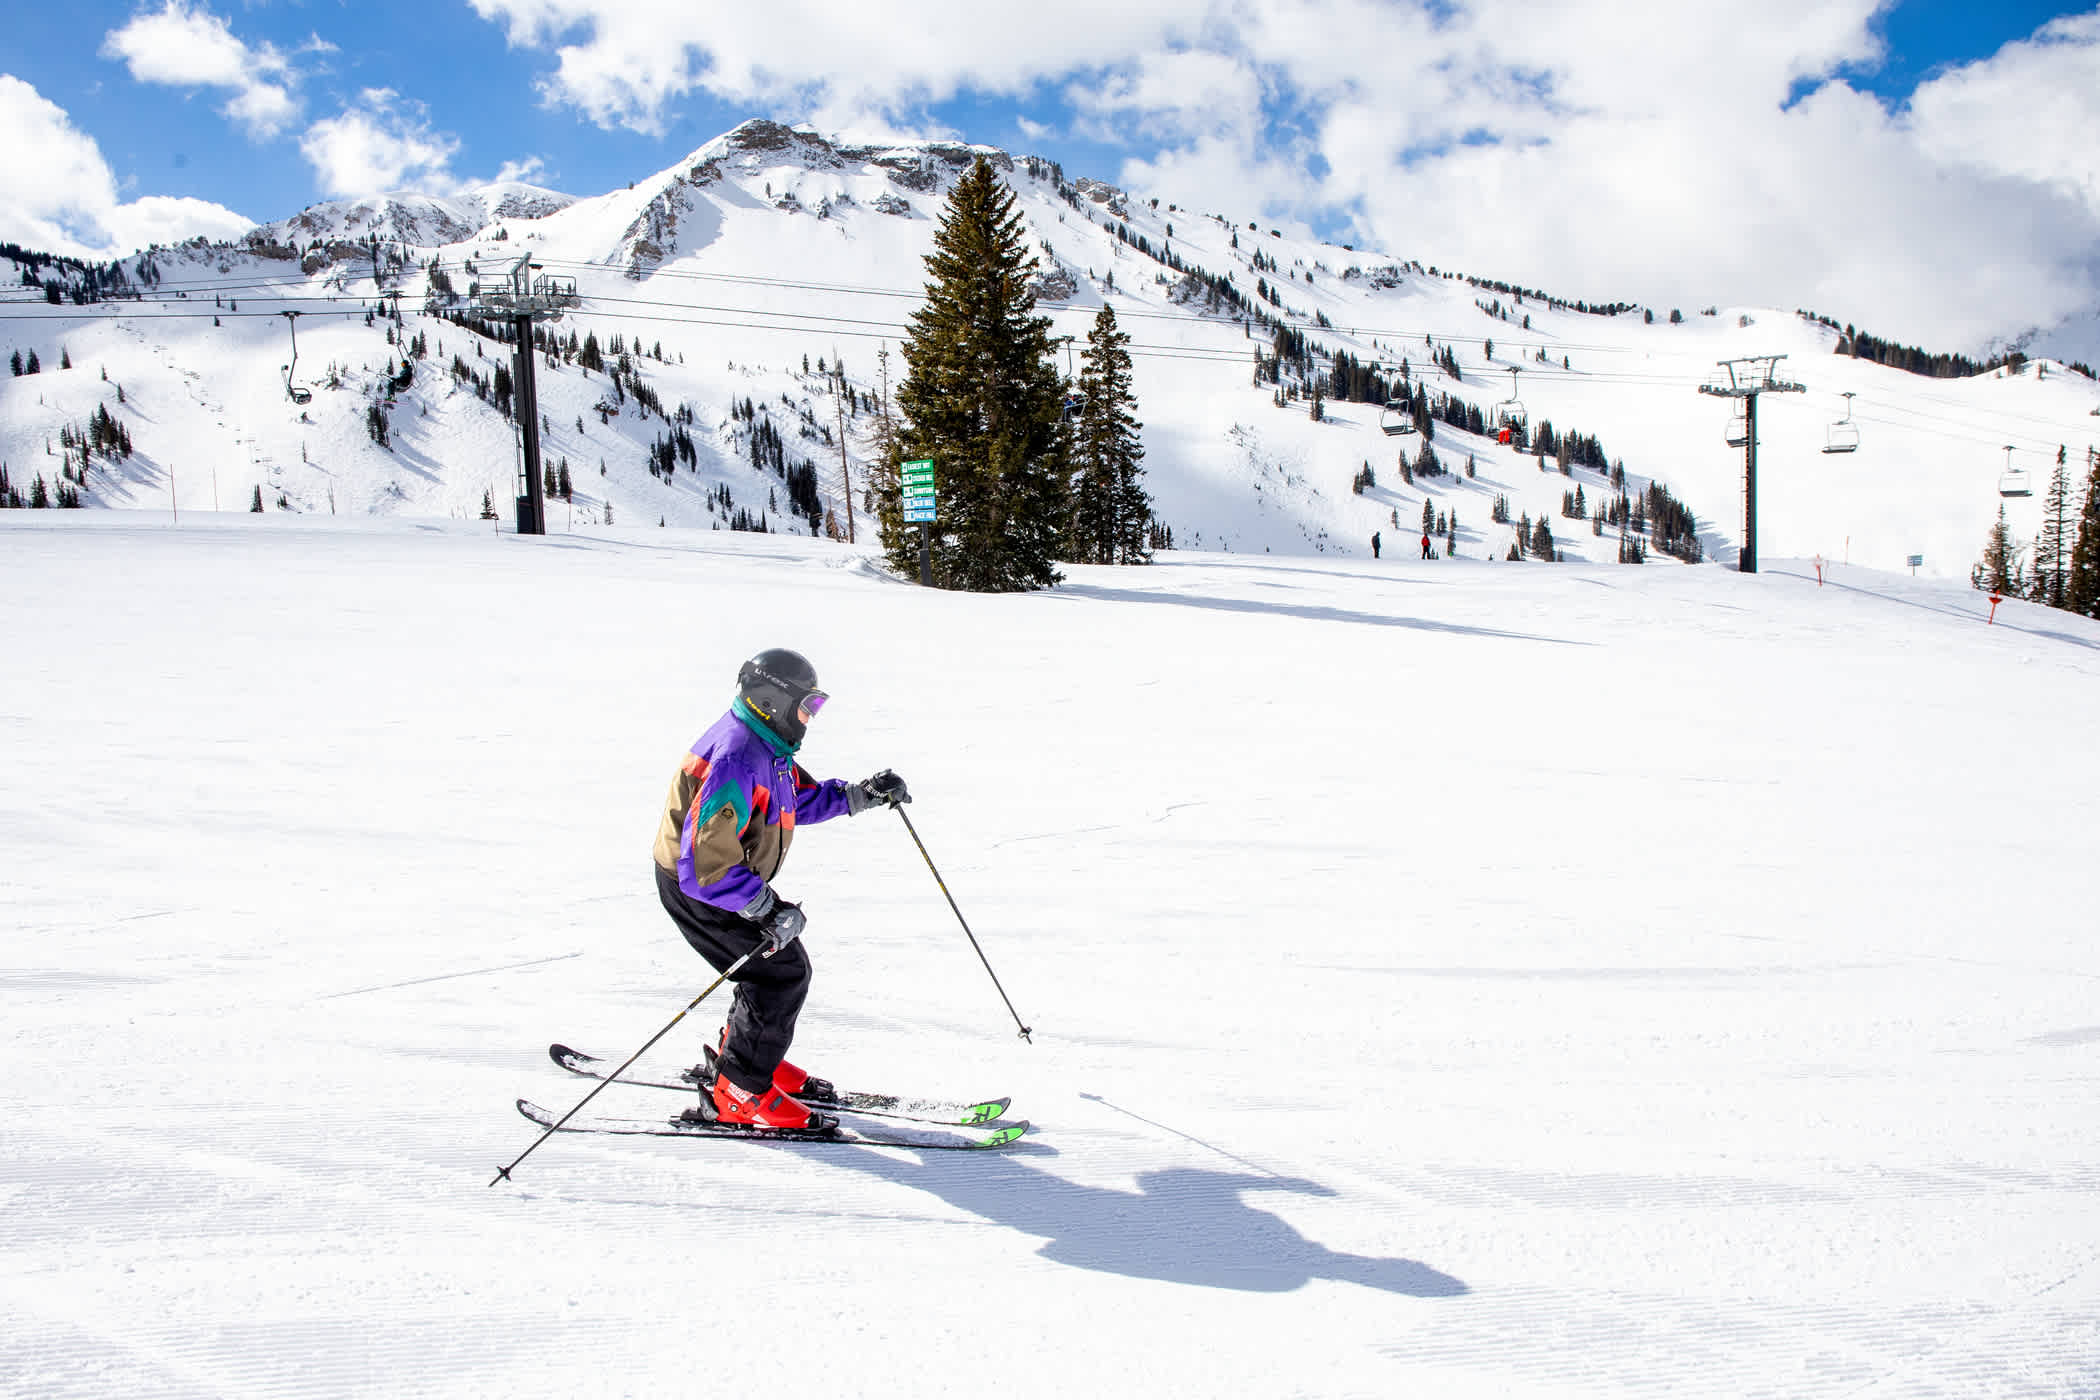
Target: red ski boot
[
  {"x": 791, "y": 1079},
  {"x": 788, "y": 1079},
  {"x": 772, "y": 1109}
]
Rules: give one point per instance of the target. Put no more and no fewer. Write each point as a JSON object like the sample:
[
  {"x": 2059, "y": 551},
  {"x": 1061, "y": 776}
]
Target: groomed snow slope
[{"x": 1453, "y": 979}]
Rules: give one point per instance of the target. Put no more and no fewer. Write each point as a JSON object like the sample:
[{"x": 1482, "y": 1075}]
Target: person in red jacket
[{"x": 1425, "y": 544}]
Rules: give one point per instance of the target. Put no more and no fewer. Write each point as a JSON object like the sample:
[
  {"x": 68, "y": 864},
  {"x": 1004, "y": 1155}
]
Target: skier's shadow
[{"x": 1181, "y": 1225}]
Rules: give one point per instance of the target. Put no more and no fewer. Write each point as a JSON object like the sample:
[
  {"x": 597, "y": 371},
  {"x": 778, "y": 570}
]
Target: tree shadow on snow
[
  {"x": 1310, "y": 612},
  {"x": 1182, "y": 1224},
  {"x": 1975, "y": 614}
]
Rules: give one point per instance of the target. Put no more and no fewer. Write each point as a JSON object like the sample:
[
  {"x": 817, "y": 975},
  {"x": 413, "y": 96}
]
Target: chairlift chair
[
  {"x": 297, "y": 393},
  {"x": 2014, "y": 480},
  {"x": 1398, "y": 419},
  {"x": 1739, "y": 427},
  {"x": 1843, "y": 435},
  {"x": 1510, "y": 414}
]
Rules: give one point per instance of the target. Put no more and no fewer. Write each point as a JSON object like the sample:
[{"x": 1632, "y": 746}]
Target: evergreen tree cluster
[
  {"x": 104, "y": 435},
  {"x": 769, "y": 453},
  {"x": 1017, "y": 480},
  {"x": 1350, "y": 380},
  {"x": 1861, "y": 345},
  {"x": 666, "y": 452},
  {"x": 1518, "y": 294},
  {"x": 42, "y": 495},
  {"x": 2082, "y": 576},
  {"x": 2066, "y": 568}
]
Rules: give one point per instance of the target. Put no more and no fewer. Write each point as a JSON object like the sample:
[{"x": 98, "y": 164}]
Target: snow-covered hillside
[
  {"x": 771, "y": 249},
  {"x": 1448, "y": 979}
]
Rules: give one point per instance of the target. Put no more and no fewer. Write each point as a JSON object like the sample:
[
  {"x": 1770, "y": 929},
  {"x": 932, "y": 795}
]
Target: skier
[
  {"x": 730, "y": 815},
  {"x": 1425, "y": 544},
  {"x": 1375, "y": 543}
]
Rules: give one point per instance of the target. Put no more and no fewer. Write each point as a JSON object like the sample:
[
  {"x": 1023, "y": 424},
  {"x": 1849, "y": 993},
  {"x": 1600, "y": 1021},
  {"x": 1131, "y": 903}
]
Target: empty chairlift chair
[
  {"x": 2013, "y": 480},
  {"x": 1398, "y": 419},
  {"x": 1843, "y": 435},
  {"x": 1739, "y": 426},
  {"x": 297, "y": 393}
]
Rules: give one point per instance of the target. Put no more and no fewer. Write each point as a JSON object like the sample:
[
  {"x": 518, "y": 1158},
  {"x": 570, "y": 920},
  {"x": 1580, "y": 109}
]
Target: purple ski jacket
[{"x": 732, "y": 810}]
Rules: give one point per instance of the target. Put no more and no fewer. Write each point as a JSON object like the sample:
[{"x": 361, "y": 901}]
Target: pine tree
[
  {"x": 2082, "y": 585},
  {"x": 1542, "y": 540},
  {"x": 2000, "y": 570},
  {"x": 255, "y": 505},
  {"x": 2052, "y": 550},
  {"x": 488, "y": 504},
  {"x": 1111, "y": 511},
  {"x": 30, "y": 366},
  {"x": 14, "y": 362},
  {"x": 981, "y": 398},
  {"x": 65, "y": 358}
]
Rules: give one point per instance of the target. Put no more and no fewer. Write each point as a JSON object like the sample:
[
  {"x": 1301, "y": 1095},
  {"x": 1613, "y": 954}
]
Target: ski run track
[{"x": 1449, "y": 978}]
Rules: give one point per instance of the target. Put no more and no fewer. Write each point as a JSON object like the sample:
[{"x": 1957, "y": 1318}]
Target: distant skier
[
  {"x": 727, "y": 823},
  {"x": 1375, "y": 543},
  {"x": 1425, "y": 546}
]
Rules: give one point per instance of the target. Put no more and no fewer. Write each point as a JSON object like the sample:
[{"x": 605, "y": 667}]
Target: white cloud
[
  {"x": 182, "y": 47},
  {"x": 58, "y": 195},
  {"x": 529, "y": 171},
  {"x": 383, "y": 142},
  {"x": 2030, "y": 110},
  {"x": 840, "y": 64},
  {"x": 1643, "y": 150}
]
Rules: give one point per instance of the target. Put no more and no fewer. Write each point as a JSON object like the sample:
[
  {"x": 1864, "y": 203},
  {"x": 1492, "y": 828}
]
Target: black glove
[
  {"x": 782, "y": 925},
  {"x": 885, "y": 789}
]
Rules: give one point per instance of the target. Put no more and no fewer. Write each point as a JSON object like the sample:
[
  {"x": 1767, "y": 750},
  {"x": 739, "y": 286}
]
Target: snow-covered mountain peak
[{"x": 410, "y": 218}]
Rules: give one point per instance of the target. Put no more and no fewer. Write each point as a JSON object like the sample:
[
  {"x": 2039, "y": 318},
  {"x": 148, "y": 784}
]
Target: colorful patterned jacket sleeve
[
  {"x": 818, "y": 802},
  {"x": 711, "y": 858}
]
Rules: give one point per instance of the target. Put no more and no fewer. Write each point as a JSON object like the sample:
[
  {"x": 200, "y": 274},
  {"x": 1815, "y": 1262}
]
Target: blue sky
[{"x": 1360, "y": 119}]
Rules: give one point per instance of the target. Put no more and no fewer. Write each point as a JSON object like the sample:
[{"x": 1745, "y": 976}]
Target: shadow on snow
[
  {"x": 1181, "y": 1225},
  {"x": 1308, "y": 611}
]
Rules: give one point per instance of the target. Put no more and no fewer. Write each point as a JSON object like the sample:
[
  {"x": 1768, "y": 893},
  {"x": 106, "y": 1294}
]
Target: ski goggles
[{"x": 811, "y": 704}]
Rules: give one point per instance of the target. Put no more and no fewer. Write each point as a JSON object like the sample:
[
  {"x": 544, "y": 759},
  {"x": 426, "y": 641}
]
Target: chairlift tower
[
  {"x": 526, "y": 301},
  {"x": 1743, "y": 380}
]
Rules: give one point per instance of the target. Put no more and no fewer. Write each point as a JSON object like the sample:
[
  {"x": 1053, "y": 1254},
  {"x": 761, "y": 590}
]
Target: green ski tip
[
  {"x": 985, "y": 1112},
  {"x": 1005, "y": 1135}
]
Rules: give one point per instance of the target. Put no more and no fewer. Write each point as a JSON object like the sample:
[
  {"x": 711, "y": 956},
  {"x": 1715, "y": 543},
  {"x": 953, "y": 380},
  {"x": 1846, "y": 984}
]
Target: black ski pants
[{"x": 769, "y": 991}]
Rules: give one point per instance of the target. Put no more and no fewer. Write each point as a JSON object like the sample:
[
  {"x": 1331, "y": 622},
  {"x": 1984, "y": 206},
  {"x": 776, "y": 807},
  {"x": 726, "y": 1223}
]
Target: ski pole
[
  {"x": 503, "y": 1173},
  {"x": 1025, "y": 1033}
]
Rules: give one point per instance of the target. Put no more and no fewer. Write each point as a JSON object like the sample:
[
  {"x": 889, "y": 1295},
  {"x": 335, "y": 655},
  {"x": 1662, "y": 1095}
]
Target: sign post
[{"x": 916, "y": 487}]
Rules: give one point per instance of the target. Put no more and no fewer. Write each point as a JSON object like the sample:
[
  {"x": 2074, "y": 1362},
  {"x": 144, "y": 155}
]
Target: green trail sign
[{"x": 916, "y": 488}]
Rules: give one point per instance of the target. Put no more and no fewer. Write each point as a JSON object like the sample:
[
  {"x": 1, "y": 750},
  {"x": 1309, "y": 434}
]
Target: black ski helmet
[{"x": 779, "y": 685}]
